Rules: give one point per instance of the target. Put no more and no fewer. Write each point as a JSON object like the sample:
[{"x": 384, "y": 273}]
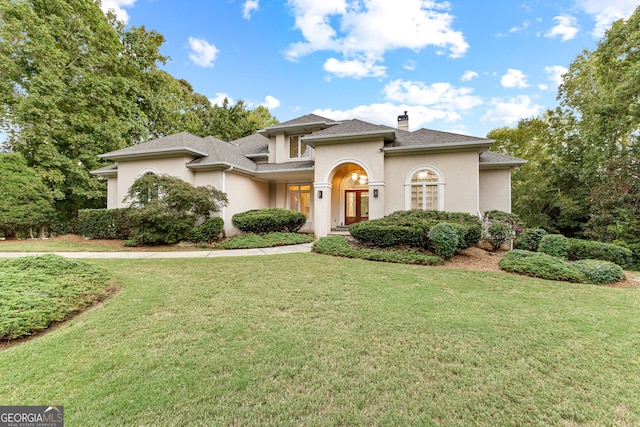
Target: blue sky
[{"x": 465, "y": 66}]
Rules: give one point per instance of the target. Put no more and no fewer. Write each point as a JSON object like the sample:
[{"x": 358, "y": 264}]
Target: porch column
[{"x": 321, "y": 209}]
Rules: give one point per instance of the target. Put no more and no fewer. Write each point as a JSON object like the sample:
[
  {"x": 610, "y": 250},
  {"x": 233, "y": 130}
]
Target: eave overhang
[
  {"x": 314, "y": 140},
  {"x": 154, "y": 153},
  {"x": 449, "y": 147}
]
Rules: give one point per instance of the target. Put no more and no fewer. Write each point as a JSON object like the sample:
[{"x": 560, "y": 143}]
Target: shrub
[
  {"x": 382, "y": 233},
  {"x": 498, "y": 233},
  {"x": 338, "y": 246},
  {"x": 540, "y": 265},
  {"x": 269, "y": 220},
  {"x": 530, "y": 238},
  {"x": 444, "y": 239},
  {"x": 248, "y": 241},
  {"x": 599, "y": 272},
  {"x": 586, "y": 249},
  {"x": 104, "y": 223},
  {"x": 555, "y": 245},
  {"x": 154, "y": 225},
  {"x": 209, "y": 231}
]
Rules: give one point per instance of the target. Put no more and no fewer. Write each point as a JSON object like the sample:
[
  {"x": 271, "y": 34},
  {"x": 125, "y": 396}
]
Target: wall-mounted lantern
[
  {"x": 375, "y": 193},
  {"x": 319, "y": 194}
]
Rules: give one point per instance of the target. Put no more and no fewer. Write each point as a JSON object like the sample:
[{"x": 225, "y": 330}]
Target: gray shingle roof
[
  {"x": 424, "y": 137},
  {"x": 223, "y": 153},
  {"x": 254, "y": 145},
  {"x": 489, "y": 158},
  {"x": 183, "y": 141},
  {"x": 288, "y": 166},
  {"x": 300, "y": 125}
]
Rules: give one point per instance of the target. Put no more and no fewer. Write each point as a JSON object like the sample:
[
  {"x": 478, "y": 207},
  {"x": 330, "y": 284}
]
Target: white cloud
[
  {"x": 249, "y": 7},
  {"x": 469, "y": 75},
  {"x": 117, "y": 6},
  {"x": 410, "y": 65},
  {"x": 368, "y": 29},
  {"x": 543, "y": 86},
  {"x": 271, "y": 102},
  {"x": 219, "y": 99},
  {"x": 566, "y": 27},
  {"x": 202, "y": 52},
  {"x": 443, "y": 96},
  {"x": 607, "y": 12},
  {"x": 514, "y": 78},
  {"x": 354, "y": 68},
  {"x": 512, "y": 30},
  {"x": 387, "y": 114},
  {"x": 554, "y": 73},
  {"x": 511, "y": 110}
]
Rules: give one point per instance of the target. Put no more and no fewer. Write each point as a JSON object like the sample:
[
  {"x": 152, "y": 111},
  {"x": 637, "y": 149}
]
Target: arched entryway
[{"x": 351, "y": 192}]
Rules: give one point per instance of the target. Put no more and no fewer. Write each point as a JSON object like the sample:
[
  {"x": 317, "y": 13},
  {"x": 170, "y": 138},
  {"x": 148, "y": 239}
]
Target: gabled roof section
[
  {"x": 301, "y": 125},
  {"x": 253, "y": 146},
  {"x": 491, "y": 160},
  {"x": 351, "y": 130},
  {"x": 183, "y": 143},
  {"x": 433, "y": 140},
  {"x": 224, "y": 155},
  {"x": 111, "y": 170}
]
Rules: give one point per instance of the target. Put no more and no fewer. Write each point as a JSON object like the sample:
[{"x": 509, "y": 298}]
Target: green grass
[
  {"x": 269, "y": 240},
  {"x": 305, "y": 339},
  {"x": 55, "y": 245}
]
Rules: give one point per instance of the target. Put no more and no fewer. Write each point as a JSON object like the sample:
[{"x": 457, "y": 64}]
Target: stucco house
[{"x": 335, "y": 172}]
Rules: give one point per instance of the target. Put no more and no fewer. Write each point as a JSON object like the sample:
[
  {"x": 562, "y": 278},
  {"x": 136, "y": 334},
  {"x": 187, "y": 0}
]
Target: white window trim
[
  {"x": 300, "y": 142},
  {"x": 408, "y": 184},
  {"x": 310, "y": 185}
]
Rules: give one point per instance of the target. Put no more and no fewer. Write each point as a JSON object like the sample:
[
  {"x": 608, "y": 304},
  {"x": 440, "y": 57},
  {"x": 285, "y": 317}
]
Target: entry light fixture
[
  {"x": 319, "y": 194},
  {"x": 354, "y": 176},
  {"x": 375, "y": 193}
]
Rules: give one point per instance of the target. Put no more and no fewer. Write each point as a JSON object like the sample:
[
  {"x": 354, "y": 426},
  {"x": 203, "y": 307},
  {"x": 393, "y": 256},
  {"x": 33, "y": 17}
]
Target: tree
[
  {"x": 166, "y": 208},
  {"x": 26, "y": 202},
  {"x": 231, "y": 122}
]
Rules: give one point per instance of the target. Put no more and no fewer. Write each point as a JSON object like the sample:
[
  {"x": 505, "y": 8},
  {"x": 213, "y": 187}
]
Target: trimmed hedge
[
  {"x": 444, "y": 239},
  {"x": 530, "y": 239},
  {"x": 270, "y": 220},
  {"x": 104, "y": 223},
  {"x": 338, "y": 246},
  {"x": 209, "y": 231},
  {"x": 555, "y": 245},
  {"x": 587, "y": 249},
  {"x": 545, "y": 266}
]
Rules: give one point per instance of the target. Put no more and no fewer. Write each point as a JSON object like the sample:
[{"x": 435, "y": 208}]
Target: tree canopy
[
  {"x": 583, "y": 154},
  {"x": 76, "y": 83}
]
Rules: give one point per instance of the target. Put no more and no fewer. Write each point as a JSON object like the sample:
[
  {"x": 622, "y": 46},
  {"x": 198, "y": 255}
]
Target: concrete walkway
[{"x": 302, "y": 248}]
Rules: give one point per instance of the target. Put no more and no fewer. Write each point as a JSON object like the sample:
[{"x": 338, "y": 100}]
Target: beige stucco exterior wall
[
  {"x": 495, "y": 190},
  {"x": 129, "y": 171},
  {"x": 459, "y": 171},
  {"x": 244, "y": 194},
  {"x": 367, "y": 155},
  {"x": 112, "y": 192}
]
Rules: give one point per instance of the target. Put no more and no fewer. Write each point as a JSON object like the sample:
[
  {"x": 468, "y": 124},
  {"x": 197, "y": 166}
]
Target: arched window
[{"x": 425, "y": 190}]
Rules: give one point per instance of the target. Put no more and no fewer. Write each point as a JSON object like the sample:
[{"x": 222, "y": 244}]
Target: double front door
[{"x": 356, "y": 206}]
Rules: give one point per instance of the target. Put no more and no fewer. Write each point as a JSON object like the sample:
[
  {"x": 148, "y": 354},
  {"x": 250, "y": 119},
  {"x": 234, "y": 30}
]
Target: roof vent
[{"x": 403, "y": 122}]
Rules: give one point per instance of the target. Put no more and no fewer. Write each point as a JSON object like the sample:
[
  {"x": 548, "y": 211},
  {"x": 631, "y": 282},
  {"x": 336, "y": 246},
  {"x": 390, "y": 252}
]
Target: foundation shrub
[
  {"x": 444, "y": 240},
  {"x": 555, "y": 245},
  {"x": 541, "y": 265},
  {"x": 586, "y": 249},
  {"x": 530, "y": 238},
  {"x": 384, "y": 233},
  {"x": 497, "y": 234},
  {"x": 209, "y": 231},
  {"x": 269, "y": 220},
  {"x": 599, "y": 272}
]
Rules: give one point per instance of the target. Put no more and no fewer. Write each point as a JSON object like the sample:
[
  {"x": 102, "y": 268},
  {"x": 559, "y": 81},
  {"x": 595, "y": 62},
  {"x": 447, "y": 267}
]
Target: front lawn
[{"x": 305, "y": 339}]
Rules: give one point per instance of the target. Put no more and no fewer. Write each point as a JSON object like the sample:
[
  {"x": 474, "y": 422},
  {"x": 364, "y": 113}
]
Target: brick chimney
[{"x": 403, "y": 122}]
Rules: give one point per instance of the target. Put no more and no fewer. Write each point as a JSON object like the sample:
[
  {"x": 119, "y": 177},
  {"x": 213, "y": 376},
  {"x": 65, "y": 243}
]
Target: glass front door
[{"x": 356, "y": 206}]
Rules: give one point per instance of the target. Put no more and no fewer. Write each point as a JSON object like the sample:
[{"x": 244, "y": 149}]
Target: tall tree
[
  {"x": 26, "y": 203},
  {"x": 235, "y": 121}
]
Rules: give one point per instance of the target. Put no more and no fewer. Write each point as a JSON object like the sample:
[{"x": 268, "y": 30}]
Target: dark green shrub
[
  {"x": 587, "y": 249},
  {"x": 338, "y": 246},
  {"x": 555, "y": 245},
  {"x": 599, "y": 272},
  {"x": 209, "y": 231},
  {"x": 382, "y": 233},
  {"x": 271, "y": 220},
  {"x": 473, "y": 233},
  {"x": 634, "y": 264},
  {"x": 104, "y": 223},
  {"x": 443, "y": 238},
  {"x": 529, "y": 239},
  {"x": 498, "y": 233},
  {"x": 154, "y": 225},
  {"x": 540, "y": 265}
]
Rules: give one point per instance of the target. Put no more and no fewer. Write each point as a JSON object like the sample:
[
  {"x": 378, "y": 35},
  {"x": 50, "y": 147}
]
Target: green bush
[
  {"x": 36, "y": 292},
  {"x": 530, "y": 238},
  {"x": 599, "y": 272},
  {"x": 155, "y": 225},
  {"x": 248, "y": 241},
  {"x": 555, "y": 245},
  {"x": 209, "y": 231},
  {"x": 338, "y": 246},
  {"x": 271, "y": 220},
  {"x": 587, "y": 249},
  {"x": 104, "y": 223},
  {"x": 444, "y": 239},
  {"x": 540, "y": 265},
  {"x": 383, "y": 234},
  {"x": 498, "y": 233}
]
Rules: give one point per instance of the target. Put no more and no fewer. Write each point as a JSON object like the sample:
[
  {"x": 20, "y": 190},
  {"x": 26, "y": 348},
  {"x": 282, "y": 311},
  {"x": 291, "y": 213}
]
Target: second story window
[{"x": 297, "y": 148}]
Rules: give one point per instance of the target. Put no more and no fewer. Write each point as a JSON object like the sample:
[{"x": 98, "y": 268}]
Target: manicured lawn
[
  {"x": 55, "y": 245},
  {"x": 306, "y": 339}
]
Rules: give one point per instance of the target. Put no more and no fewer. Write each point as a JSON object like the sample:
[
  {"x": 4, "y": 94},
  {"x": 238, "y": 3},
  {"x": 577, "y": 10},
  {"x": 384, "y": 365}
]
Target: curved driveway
[{"x": 302, "y": 248}]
